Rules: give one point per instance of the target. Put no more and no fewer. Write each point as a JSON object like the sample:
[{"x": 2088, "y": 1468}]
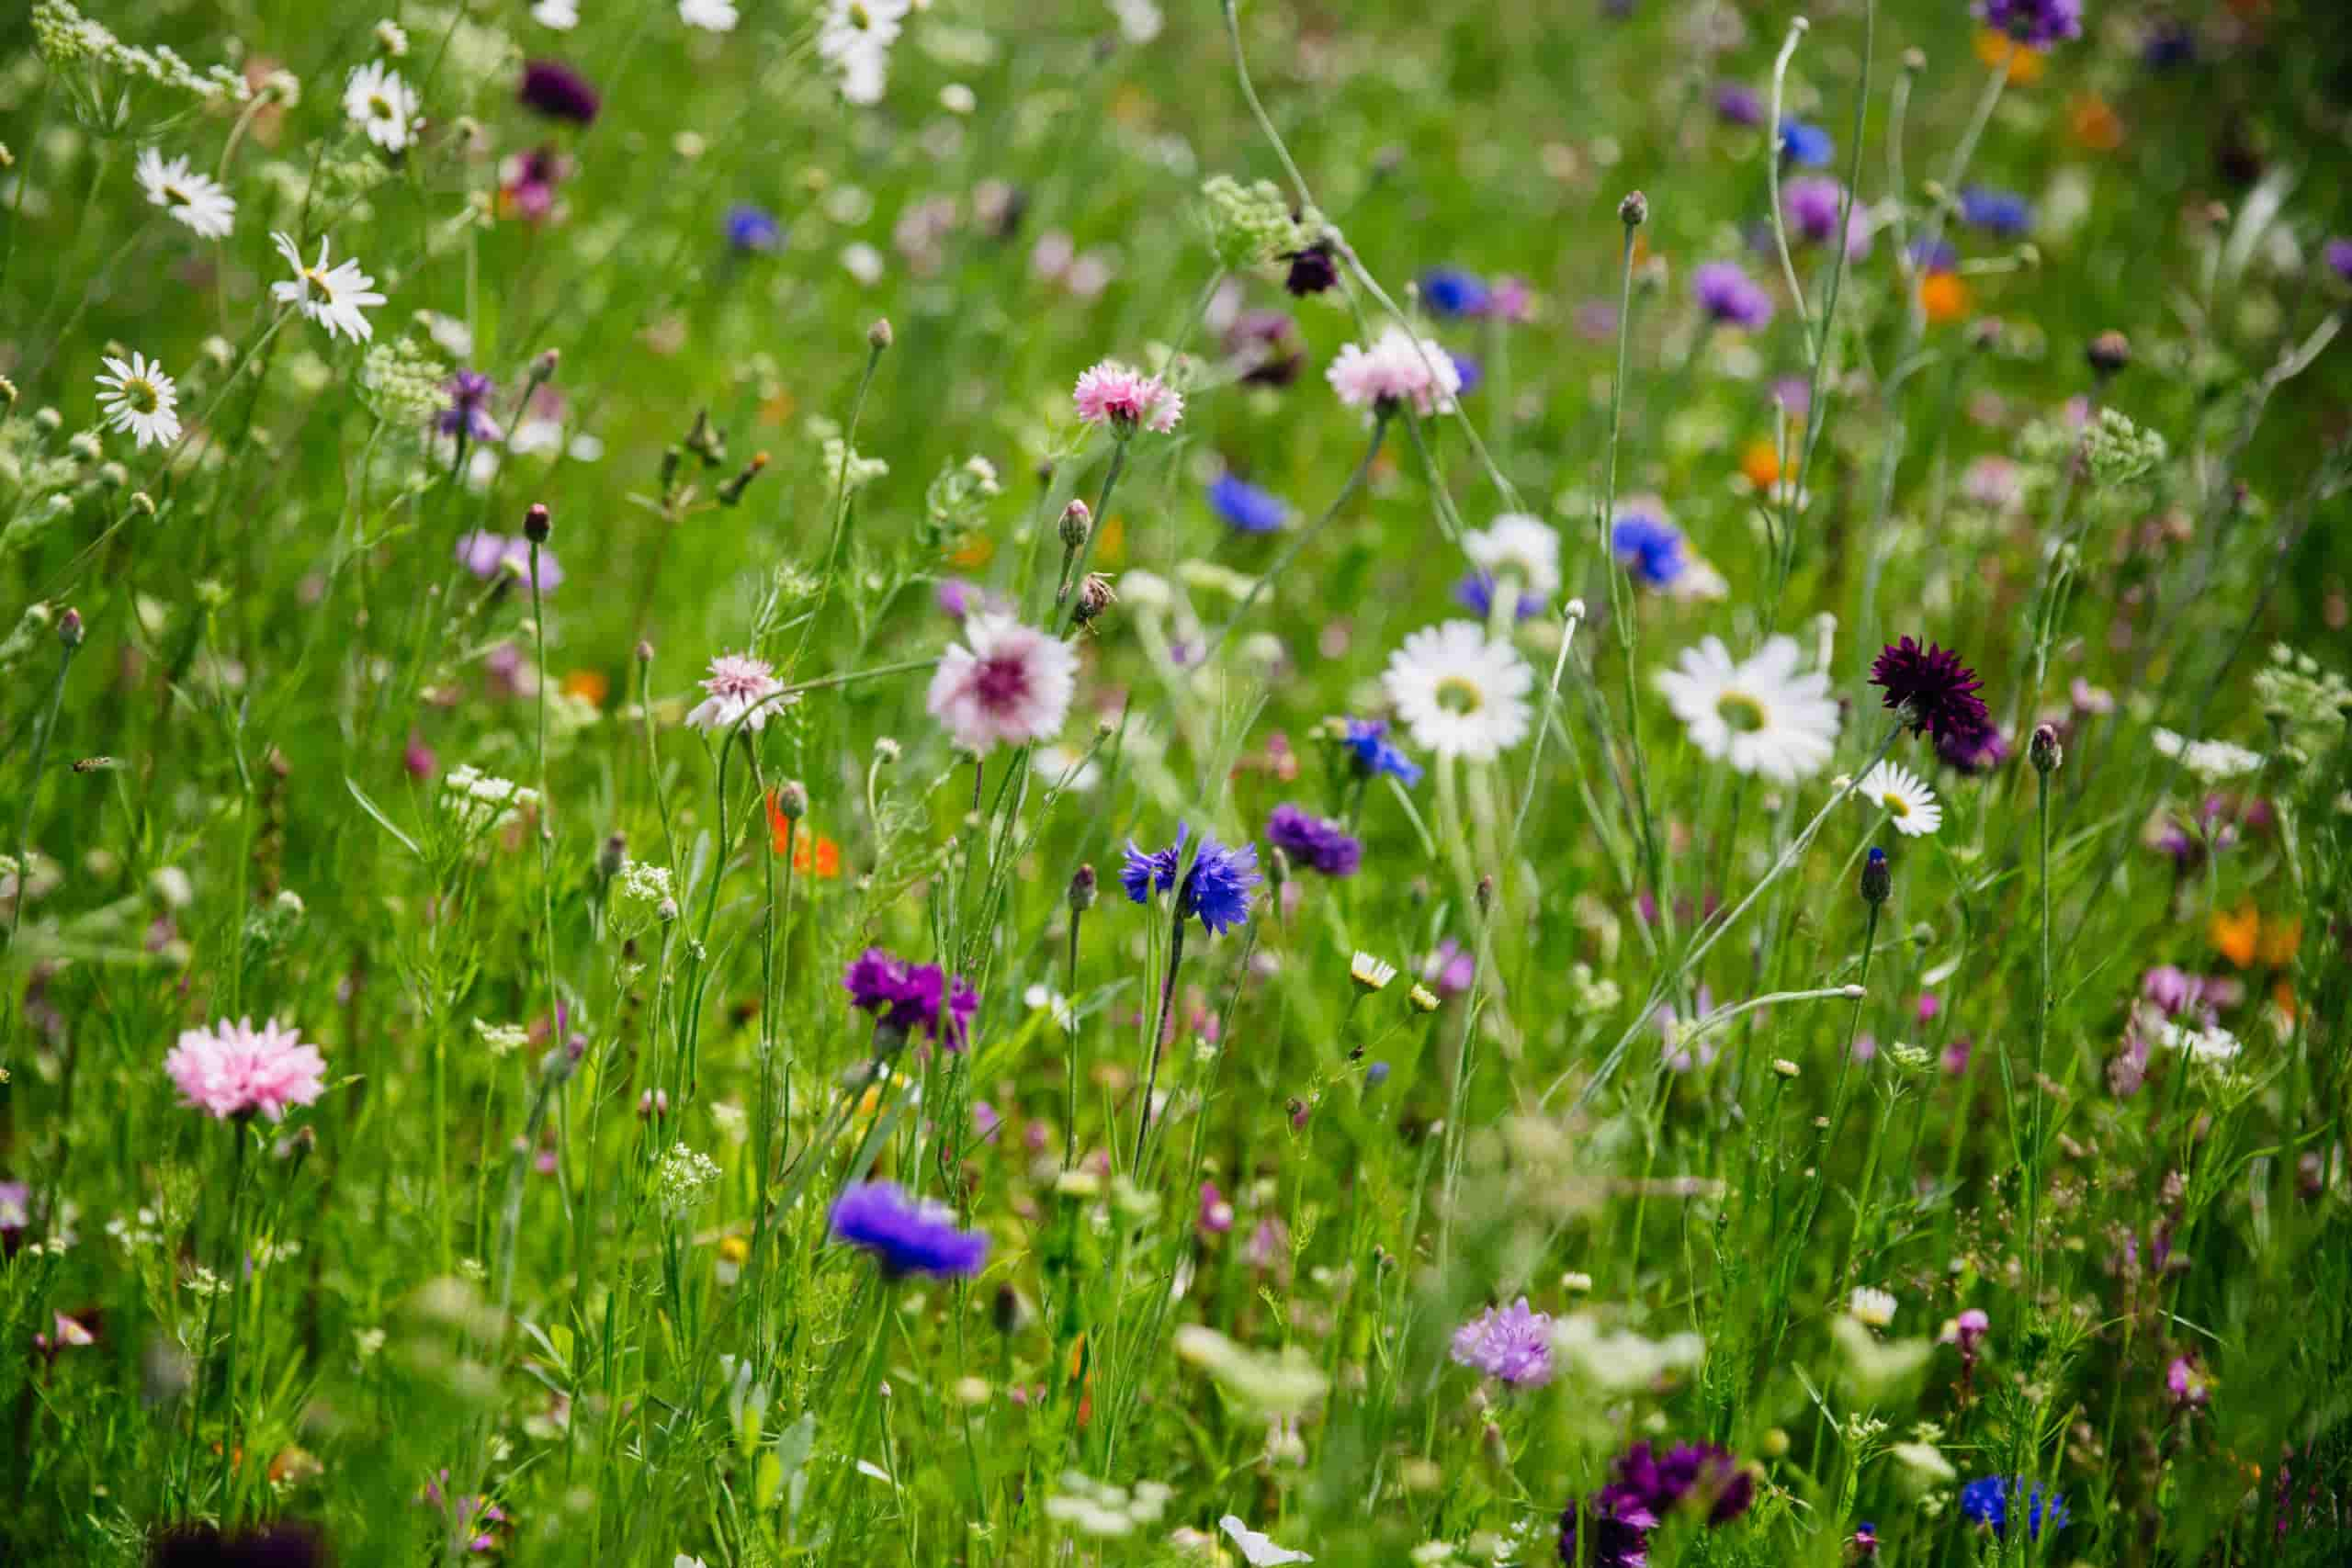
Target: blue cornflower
[
  {"x": 1988, "y": 1499},
  {"x": 750, "y": 228},
  {"x": 1475, "y": 594},
  {"x": 1367, "y": 744},
  {"x": 1216, "y": 888},
  {"x": 1450, "y": 291},
  {"x": 1468, "y": 371},
  {"x": 2004, "y": 214},
  {"x": 1651, "y": 548},
  {"x": 904, "y": 1236},
  {"x": 1807, "y": 144},
  {"x": 1938, "y": 255},
  {"x": 1246, "y": 507}
]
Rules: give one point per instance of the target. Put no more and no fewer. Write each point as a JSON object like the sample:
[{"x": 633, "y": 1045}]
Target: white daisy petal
[
  {"x": 1759, "y": 716},
  {"x": 1459, "y": 693},
  {"x": 1903, "y": 796}
]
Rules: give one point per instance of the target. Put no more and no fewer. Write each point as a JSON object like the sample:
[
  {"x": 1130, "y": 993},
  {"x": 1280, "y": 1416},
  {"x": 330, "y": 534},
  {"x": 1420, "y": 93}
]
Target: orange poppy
[
  {"x": 812, "y": 852},
  {"x": 1760, "y": 461},
  {"x": 590, "y": 684},
  {"x": 2093, "y": 123},
  {"x": 1943, "y": 296},
  {"x": 976, "y": 553},
  {"x": 2233, "y": 933},
  {"x": 2026, "y": 65}
]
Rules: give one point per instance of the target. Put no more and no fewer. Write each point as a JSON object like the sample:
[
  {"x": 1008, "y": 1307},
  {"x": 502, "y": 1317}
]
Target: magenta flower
[
  {"x": 1112, "y": 393},
  {"x": 234, "y": 1070}
]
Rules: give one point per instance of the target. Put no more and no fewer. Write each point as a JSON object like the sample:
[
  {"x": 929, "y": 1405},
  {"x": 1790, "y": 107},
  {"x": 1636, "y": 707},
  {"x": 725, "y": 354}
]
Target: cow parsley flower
[
  {"x": 2211, "y": 761},
  {"x": 141, "y": 400},
  {"x": 1903, "y": 796},
  {"x": 1460, "y": 694},
  {"x": 558, "y": 16},
  {"x": 1757, "y": 713},
  {"x": 684, "y": 1179},
  {"x": 200, "y": 202},
  {"x": 710, "y": 16},
  {"x": 379, "y": 103},
  {"x": 336, "y": 298}
]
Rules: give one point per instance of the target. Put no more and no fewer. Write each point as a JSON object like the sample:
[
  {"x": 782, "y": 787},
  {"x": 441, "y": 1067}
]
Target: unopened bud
[
  {"x": 1915, "y": 60},
  {"x": 791, "y": 800},
  {"x": 651, "y": 1104},
  {"x": 538, "y": 523},
  {"x": 2043, "y": 749},
  {"x": 877, "y": 336},
  {"x": 1277, "y": 865},
  {"x": 2109, "y": 353},
  {"x": 1634, "y": 210},
  {"x": 644, "y": 651},
  {"x": 1077, "y": 523},
  {"x": 69, "y": 629},
  {"x": 1877, "y": 881},
  {"x": 1486, "y": 894},
  {"x": 1082, "y": 888},
  {"x": 732, "y": 490},
  {"x": 609, "y": 858},
  {"x": 543, "y": 365}
]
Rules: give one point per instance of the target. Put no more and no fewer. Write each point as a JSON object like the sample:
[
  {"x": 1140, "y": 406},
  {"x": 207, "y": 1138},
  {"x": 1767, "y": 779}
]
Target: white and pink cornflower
[
  {"x": 1512, "y": 1344},
  {"x": 1125, "y": 399},
  {"x": 1005, "y": 682},
  {"x": 236, "y": 1070},
  {"x": 1397, "y": 367},
  {"x": 740, "y": 690}
]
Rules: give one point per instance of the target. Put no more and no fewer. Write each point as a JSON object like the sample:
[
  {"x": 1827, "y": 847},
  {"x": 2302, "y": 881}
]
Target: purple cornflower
[
  {"x": 1312, "y": 270},
  {"x": 906, "y": 997},
  {"x": 1216, "y": 888},
  {"x": 2037, "y": 24},
  {"x": 2004, "y": 214},
  {"x": 1451, "y": 968},
  {"x": 906, "y": 1236},
  {"x": 1450, "y": 291},
  {"x": 1372, "y": 755},
  {"x": 750, "y": 228},
  {"x": 1807, "y": 146},
  {"x": 1621, "y": 1529},
  {"x": 1317, "y": 843},
  {"x": 1980, "y": 752},
  {"x": 1245, "y": 507},
  {"x": 1729, "y": 296},
  {"x": 486, "y": 555},
  {"x": 558, "y": 92},
  {"x": 1650, "y": 547},
  {"x": 1475, "y": 594},
  {"x": 1511, "y": 1344},
  {"x": 1701, "y": 1475},
  {"x": 1934, "y": 255},
  {"x": 1737, "y": 102},
  {"x": 469, "y": 411},
  {"x": 2188, "y": 1383},
  {"x": 1988, "y": 1499},
  {"x": 2338, "y": 253},
  {"x": 1934, "y": 691},
  {"x": 1810, "y": 206}
]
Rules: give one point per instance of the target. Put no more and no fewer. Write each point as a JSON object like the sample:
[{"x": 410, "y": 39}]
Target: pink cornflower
[
  {"x": 1398, "y": 367},
  {"x": 2188, "y": 1383},
  {"x": 1216, "y": 1215},
  {"x": 1005, "y": 682},
  {"x": 234, "y": 1070},
  {"x": 1510, "y": 1343},
  {"x": 740, "y": 687},
  {"x": 1112, "y": 393}
]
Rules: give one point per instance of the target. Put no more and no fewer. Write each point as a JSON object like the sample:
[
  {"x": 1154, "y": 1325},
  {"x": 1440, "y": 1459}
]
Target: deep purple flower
[
  {"x": 1700, "y": 1475},
  {"x": 1315, "y": 844},
  {"x": 1621, "y": 1531},
  {"x": 1216, "y": 889},
  {"x": 558, "y": 92},
  {"x": 469, "y": 411},
  {"x": 2338, "y": 253},
  {"x": 1934, "y": 691},
  {"x": 1312, "y": 270},
  {"x": 2168, "y": 44},
  {"x": 288, "y": 1543},
  {"x": 1810, "y": 206},
  {"x": 906, "y": 1236},
  {"x": 486, "y": 555},
  {"x": 1371, "y": 754},
  {"x": 905, "y": 998},
  {"x": 1266, "y": 344},
  {"x": 750, "y": 228},
  {"x": 1729, "y": 296},
  {"x": 2037, "y": 24},
  {"x": 1981, "y": 752},
  {"x": 1737, "y": 102},
  {"x": 1988, "y": 1499},
  {"x": 1511, "y": 1344}
]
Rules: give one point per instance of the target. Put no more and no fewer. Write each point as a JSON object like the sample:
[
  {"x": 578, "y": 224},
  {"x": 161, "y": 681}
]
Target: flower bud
[
  {"x": 791, "y": 800},
  {"x": 877, "y": 336},
  {"x": 1877, "y": 881},
  {"x": 1094, "y": 596},
  {"x": 644, "y": 651},
  {"x": 2043, "y": 749},
  {"x": 69, "y": 629},
  {"x": 2109, "y": 353},
  {"x": 1634, "y": 210},
  {"x": 731, "y": 492},
  {"x": 609, "y": 858},
  {"x": 1077, "y": 523},
  {"x": 537, "y": 524},
  {"x": 1083, "y": 889}
]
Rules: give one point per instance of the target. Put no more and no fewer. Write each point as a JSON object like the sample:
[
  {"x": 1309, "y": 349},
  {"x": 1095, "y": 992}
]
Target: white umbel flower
[
  {"x": 379, "y": 103},
  {"x": 710, "y": 16},
  {"x": 1759, "y": 715},
  {"x": 1904, "y": 797},
  {"x": 558, "y": 16},
  {"x": 2211, "y": 761},
  {"x": 855, "y": 39},
  {"x": 335, "y": 297},
  {"x": 197, "y": 200},
  {"x": 1461, "y": 695},
  {"x": 1518, "y": 546},
  {"x": 140, "y": 402}
]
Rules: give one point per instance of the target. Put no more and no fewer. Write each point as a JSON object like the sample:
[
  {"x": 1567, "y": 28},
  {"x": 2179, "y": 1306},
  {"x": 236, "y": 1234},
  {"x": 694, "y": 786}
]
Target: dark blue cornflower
[
  {"x": 1314, "y": 843},
  {"x": 750, "y": 228},
  {"x": 1806, "y": 145},
  {"x": 1931, "y": 688},
  {"x": 1475, "y": 594},
  {"x": 1650, "y": 547},
  {"x": 1372, "y": 755},
  {"x": 1450, "y": 291},
  {"x": 1988, "y": 1499},
  {"x": 1216, "y": 888},
  {"x": 2168, "y": 44},
  {"x": 2004, "y": 214},
  {"x": 1245, "y": 507},
  {"x": 904, "y": 1236}
]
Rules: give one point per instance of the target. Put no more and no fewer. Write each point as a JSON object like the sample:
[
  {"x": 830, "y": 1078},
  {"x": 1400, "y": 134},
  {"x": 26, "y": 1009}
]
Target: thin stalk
[
  {"x": 1076, "y": 571},
  {"x": 1299, "y": 540},
  {"x": 32, "y": 786},
  {"x": 1159, "y": 1024}
]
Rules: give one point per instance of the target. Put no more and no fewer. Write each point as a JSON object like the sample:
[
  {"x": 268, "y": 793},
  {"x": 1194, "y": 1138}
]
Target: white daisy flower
[
  {"x": 333, "y": 296},
  {"x": 562, "y": 16},
  {"x": 1257, "y": 1548},
  {"x": 140, "y": 402},
  {"x": 1903, "y": 796},
  {"x": 710, "y": 16},
  {"x": 200, "y": 202},
  {"x": 1371, "y": 972},
  {"x": 855, "y": 39},
  {"x": 2211, "y": 761},
  {"x": 379, "y": 103},
  {"x": 1460, "y": 694},
  {"x": 1759, "y": 715},
  {"x": 1522, "y": 546},
  {"x": 1872, "y": 1306}
]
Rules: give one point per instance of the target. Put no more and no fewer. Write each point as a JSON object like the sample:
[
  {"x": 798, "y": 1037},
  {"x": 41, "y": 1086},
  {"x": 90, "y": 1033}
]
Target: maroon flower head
[
  {"x": 558, "y": 92},
  {"x": 1935, "y": 691}
]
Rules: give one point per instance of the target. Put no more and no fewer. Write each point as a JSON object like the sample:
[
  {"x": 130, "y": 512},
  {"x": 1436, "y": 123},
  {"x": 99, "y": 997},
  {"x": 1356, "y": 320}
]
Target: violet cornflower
[
  {"x": 469, "y": 411},
  {"x": 2037, "y": 24},
  {"x": 1730, "y": 296},
  {"x": 906, "y": 997},
  {"x": 905, "y": 1235},
  {"x": 1314, "y": 843},
  {"x": 486, "y": 555},
  {"x": 1512, "y": 1345},
  {"x": 558, "y": 92},
  {"x": 1371, "y": 755}
]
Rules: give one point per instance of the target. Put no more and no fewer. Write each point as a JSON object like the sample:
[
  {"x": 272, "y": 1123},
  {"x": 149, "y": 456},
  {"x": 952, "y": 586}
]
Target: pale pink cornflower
[
  {"x": 740, "y": 687},
  {"x": 1511, "y": 1343},
  {"x": 1398, "y": 366},
  {"x": 1005, "y": 682},
  {"x": 234, "y": 1069},
  {"x": 1112, "y": 393}
]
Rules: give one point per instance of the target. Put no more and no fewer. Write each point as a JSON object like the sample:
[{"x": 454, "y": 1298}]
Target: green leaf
[{"x": 382, "y": 821}]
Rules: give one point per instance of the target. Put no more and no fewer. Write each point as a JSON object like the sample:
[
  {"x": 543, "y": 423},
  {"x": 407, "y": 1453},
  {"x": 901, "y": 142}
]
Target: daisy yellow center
[
  {"x": 1741, "y": 712},
  {"x": 859, "y": 18},
  {"x": 1455, "y": 694},
  {"x": 141, "y": 395},
  {"x": 174, "y": 197},
  {"x": 380, "y": 106},
  {"x": 1895, "y": 805}
]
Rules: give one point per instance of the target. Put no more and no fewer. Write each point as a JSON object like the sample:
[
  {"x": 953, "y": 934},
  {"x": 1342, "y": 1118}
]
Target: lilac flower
[
  {"x": 2338, "y": 253},
  {"x": 905, "y": 998},
  {"x": 1808, "y": 146},
  {"x": 1988, "y": 1501},
  {"x": 1450, "y": 291},
  {"x": 558, "y": 92},
  {"x": 1737, "y": 102},
  {"x": 1451, "y": 968},
  {"x": 750, "y": 228},
  {"x": 469, "y": 411},
  {"x": 1933, "y": 690},
  {"x": 1245, "y": 507},
  {"x": 906, "y": 1236},
  {"x": 1216, "y": 889},
  {"x": 1730, "y": 296},
  {"x": 2004, "y": 214},
  {"x": 486, "y": 555},
  {"x": 1934, "y": 255},
  {"x": 1266, "y": 344},
  {"x": 1372, "y": 755},
  {"x": 1315, "y": 844},
  {"x": 2037, "y": 24},
  {"x": 1810, "y": 206},
  {"x": 1702, "y": 1475},
  {"x": 1510, "y": 1344}
]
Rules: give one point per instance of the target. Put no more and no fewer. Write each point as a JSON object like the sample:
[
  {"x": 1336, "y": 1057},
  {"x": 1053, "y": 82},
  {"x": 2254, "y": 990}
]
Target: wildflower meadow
[{"x": 792, "y": 783}]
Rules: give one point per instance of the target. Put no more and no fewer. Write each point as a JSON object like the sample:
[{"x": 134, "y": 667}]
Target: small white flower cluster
[
  {"x": 501, "y": 1040},
  {"x": 642, "y": 883},
  {"x": 850, "y": 468},
  {"x": 1097, "y": 1508},
  {"x": 66, "y": 37},
  {"x": 2211, "y": 760},
  {"x": 684, "y": 1179},
  {"x": 483, "y": 801}
]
